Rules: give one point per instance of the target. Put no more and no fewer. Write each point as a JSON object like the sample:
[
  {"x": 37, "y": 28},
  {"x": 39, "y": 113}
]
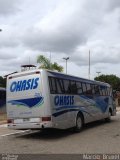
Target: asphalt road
[{"x": 97, "y": 137}]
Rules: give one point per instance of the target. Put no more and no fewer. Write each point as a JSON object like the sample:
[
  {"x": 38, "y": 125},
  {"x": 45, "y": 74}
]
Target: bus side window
[
  {"x": 60, "y": 87},
  {"x": 73, "y": 87},
  {"x": 103, "y": 90},
  {"x": 66, "y": 86},
  {"x": 89, "y": 89},
  {"x": 106, "y": 91},
  {"x": 52, "y": 83},
  {"x": 93, "y": 89},
  {"x": 79, "y": 88},
  {"x": 97, "y": 92},
  {"x": 84, "y": 88}
]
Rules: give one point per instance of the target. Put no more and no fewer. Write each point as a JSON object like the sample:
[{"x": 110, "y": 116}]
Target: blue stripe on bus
[
  {"x": 99, "y": 102},
  {"x": 30, "y": 102},
  {"x": 66, "y": 107},
  {"x": 64, "y": 111},
  {"x": 68, "y": 110}
]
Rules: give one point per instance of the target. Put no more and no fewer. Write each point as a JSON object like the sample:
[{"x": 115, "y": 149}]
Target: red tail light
[
  {"x": 37, "y": 72},
  {"x": 46, "y": 118},
  {"x": 9, "y": 121}
]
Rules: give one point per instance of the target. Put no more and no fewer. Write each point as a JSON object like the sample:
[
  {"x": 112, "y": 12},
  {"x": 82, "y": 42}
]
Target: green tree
[
  {"x": 113, "y": 80},
  {"x": 2, "y": 82},
  {"x": 57, "y": 67},
  {"x": 46, "y": 64}
]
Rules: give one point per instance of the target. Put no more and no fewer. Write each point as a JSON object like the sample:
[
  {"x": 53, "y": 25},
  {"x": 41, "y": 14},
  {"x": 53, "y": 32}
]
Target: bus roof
[{"x": 60, "y": 75}]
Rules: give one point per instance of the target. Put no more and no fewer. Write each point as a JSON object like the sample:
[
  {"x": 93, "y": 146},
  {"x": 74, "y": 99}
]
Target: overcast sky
[{"x": 65, "y": 28}]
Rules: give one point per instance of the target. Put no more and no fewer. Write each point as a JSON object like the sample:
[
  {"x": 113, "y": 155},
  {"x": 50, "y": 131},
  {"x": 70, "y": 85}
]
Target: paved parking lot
[{"x": 97, "y": 137}]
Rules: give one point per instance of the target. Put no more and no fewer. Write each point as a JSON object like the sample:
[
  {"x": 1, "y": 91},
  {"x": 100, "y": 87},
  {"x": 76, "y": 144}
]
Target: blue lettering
[
  {"x": 32, "y": 84},
  {"x": 24, "y": 85},
  {"x": 68, "y": 100},
  {"x": 13, "y": 87},
  {"x": 72, "y": 100},
  {"x": 18, "y": 86},
  {"x": 36, "y": 83},
  {"x": 64, "y": 100},
  {"x": 56, "y": 100},
  {"x": 28, "y": 84},
  {"x": 61, "y": 100}
]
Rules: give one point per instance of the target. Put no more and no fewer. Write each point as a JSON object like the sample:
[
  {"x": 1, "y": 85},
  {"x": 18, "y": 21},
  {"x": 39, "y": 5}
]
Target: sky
[{"x": 65, "y": 28}]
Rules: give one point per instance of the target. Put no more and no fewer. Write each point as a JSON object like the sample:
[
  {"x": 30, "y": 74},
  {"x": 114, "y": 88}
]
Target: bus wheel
[
  {"x": 108, "y": 119},
  {"x": 79, "y": 123}
]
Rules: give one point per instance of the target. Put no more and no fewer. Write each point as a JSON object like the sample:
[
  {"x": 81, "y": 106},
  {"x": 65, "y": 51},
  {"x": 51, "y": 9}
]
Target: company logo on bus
[
  {"x": 64, "y": 100},
  {"x": 23, "y": 85}
]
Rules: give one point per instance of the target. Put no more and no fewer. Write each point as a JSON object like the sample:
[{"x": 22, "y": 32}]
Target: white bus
[{"x": 41, "y": 99}]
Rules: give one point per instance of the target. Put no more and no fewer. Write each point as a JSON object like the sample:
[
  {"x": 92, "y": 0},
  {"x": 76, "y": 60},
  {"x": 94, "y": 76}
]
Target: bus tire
[
  {"x": 79, "y": 123},
  {"x": 108, "y": 119}
]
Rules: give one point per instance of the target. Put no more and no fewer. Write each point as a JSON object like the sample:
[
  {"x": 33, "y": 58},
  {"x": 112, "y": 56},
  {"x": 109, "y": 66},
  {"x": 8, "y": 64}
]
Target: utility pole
[
  {"x": 89, "y": 66},
  {"x": 66, "y": 62},
  {"x": 50, "y": 60}
]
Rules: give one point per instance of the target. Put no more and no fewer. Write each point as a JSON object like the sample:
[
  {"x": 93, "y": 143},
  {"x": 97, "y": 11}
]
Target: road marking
[{"x": 4, "y": 135}]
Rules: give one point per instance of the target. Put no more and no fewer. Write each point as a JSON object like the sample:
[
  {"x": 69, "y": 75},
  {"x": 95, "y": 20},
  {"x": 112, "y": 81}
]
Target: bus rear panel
[{"x": 26, "y": 106}]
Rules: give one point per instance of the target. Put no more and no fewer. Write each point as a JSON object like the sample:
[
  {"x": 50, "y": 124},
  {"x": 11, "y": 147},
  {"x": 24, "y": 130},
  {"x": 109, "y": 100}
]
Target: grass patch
[{"x": 3, "y": 117}]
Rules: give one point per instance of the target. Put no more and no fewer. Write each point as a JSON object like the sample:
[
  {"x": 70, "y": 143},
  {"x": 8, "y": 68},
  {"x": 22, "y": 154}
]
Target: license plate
[{"x": 26, "y": 119}]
